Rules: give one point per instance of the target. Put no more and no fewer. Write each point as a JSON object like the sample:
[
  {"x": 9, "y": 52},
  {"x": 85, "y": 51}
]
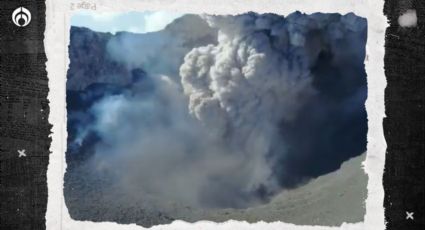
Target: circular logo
[{"x": 21, "y": 16}]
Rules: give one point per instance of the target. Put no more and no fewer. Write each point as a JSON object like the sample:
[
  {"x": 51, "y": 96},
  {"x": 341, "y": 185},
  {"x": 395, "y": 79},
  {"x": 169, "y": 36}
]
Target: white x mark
[
  {"x": 22, "y": 153},
  {"x": 409, "y": 215}
]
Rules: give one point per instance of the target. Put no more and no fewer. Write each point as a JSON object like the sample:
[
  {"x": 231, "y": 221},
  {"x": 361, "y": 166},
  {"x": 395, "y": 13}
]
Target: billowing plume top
[{"x": 258, "y": 75}]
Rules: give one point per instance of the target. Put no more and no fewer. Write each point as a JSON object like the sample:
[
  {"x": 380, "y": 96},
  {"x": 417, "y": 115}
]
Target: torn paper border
[{"x": 58, "y": 16}]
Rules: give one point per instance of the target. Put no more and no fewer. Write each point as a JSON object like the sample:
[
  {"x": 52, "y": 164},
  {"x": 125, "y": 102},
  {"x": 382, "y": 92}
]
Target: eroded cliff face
[
  {"x": 89, "y": 62},
  {"x": 97, "y": 57}
]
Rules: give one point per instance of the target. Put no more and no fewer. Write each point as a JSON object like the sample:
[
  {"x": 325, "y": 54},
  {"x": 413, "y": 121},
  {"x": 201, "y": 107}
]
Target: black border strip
[
  {"x": 404, "y": 125},
  {"x": 24, "y": 111}
]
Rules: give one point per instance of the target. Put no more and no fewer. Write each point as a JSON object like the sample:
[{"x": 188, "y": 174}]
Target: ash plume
[{"x": 245, "y": 107}]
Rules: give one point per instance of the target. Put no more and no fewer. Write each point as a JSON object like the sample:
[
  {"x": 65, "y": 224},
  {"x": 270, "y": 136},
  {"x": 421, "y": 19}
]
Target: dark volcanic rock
[{"x": 89, "y": 62}]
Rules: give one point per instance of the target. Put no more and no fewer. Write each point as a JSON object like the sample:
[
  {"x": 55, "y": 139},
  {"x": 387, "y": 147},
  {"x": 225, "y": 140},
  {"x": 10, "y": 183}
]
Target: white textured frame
[{"x": 58, "y": 14}]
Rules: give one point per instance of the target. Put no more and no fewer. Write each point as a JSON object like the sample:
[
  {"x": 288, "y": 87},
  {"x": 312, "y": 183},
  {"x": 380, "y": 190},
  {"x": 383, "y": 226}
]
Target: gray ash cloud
[{"x": 220, "y": 111}]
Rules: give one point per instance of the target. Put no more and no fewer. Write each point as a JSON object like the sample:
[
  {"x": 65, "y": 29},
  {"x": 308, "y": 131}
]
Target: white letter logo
[{"x": 21, "y": 17}]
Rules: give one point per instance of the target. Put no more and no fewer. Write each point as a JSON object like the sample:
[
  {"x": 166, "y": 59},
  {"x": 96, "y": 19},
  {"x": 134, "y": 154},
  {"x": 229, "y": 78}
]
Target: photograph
[
  {"x": 212, "y": 115},
  {"x": 202, "y": 117}
]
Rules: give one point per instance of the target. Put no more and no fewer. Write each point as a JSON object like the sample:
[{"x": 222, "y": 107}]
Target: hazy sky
[{"x": 137, "y": 22}]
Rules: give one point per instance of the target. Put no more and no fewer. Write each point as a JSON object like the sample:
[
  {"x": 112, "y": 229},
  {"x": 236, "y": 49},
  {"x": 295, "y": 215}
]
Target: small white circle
[{"x": 21, "y": 16}]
